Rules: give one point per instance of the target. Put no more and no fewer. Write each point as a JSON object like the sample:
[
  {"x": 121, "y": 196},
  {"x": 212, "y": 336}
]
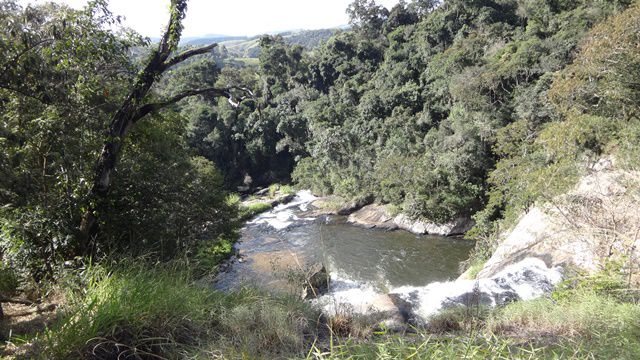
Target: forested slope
[{"x": 441, "y": 110}]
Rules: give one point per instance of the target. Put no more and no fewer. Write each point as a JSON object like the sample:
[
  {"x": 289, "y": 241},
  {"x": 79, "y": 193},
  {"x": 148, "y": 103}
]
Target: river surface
[{"x": 277, "y": 244}]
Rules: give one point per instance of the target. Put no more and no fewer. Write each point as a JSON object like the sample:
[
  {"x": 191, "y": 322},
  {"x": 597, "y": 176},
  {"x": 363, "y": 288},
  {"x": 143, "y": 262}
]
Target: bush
[{"x": 8, "y": 280}]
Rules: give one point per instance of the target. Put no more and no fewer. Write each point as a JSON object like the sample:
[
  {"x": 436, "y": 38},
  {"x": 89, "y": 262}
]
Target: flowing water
[{"x": 369, "y": 267}]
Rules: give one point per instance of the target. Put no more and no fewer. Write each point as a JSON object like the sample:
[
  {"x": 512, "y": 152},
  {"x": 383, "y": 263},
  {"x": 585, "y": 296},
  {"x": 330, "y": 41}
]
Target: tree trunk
[{"x": 134, "y": 109}]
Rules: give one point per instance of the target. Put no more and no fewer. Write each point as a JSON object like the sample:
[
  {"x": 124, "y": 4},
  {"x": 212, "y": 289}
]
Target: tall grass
[
  {"x": 137, "y": 311},
  {"x": 596, "y": 323},
  {"x": 425, "y": 346}
]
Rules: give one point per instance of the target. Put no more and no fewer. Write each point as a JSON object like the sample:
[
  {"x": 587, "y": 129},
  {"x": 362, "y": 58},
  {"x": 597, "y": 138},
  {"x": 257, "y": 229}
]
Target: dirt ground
[{"x": 21, "y": 322}]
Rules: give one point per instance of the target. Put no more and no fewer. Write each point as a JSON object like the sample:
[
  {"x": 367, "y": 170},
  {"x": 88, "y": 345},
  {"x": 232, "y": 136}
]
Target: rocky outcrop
[
  {"x": 597, "y": 221},
  {"x": 355, "y": 205},
  {"x": 373, "y": 216},
  {"x": 379, "y": 217},
  {"x": 336, "y": 205},
  {"x": 415, "y": 305},
  {"x": 524, "y": 280},
  {"x": 458, "y": 226}
]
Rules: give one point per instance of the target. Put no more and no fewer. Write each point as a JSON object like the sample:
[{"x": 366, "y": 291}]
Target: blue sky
[{"x": 233, "y": 17}]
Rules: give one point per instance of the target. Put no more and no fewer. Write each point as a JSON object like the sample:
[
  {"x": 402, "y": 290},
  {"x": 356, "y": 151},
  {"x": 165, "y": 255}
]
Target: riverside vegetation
[{"x": 479, "y": 108}]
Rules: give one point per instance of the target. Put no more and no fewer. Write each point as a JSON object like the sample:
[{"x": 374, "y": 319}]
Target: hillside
[{"x": 248, "y": 47}]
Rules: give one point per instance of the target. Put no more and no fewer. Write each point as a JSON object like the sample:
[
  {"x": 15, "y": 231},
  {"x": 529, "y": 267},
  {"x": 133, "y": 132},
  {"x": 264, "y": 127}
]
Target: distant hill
[
  {"x": 309, "y": 39},
  {"x": 249, "y": 47},
  {"x": 208, "y": 39}
]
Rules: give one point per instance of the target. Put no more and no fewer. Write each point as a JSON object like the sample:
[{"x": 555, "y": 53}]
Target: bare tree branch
[
  {"x": 187, "y": 54},
  {"x": 223, "y": 92}
]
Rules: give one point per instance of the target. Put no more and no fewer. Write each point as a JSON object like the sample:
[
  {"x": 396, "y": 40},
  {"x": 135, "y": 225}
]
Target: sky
[{"x": 232, "y": 17}]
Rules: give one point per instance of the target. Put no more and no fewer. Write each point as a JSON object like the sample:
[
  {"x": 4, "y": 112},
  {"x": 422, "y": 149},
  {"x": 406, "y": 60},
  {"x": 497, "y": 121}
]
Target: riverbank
[{"x": 139, "y": 310}]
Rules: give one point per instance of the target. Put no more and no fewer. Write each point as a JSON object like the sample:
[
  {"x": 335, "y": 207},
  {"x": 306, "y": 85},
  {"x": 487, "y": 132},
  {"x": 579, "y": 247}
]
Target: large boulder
[
  {"x": 373, "y": 216},
  {"x": 458, "y": 226},
  {"x": 380, "y": 217}
]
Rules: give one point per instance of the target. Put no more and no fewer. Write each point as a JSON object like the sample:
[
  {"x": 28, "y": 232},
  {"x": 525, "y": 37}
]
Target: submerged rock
[{"x": 316, "y": 283}]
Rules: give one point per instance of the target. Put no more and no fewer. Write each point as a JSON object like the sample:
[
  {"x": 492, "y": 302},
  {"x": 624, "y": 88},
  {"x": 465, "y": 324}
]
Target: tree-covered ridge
[
  {"x": 444, "y": 110},
  {"x": 416, "y": 105}
]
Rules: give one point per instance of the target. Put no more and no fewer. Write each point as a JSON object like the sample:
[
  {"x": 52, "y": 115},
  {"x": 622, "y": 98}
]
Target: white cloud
[{"x": 236, "y": 17}]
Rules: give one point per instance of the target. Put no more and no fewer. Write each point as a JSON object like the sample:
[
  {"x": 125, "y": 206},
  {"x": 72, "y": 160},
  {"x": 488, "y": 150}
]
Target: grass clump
[
  {"x": 474, "y": 267},
  {"x": 287, "y": 190},
  {"x": 209, "y": 257},
  {"x": 425, "y": 346},
  {"x": 274, "y": 189},
  {"x": 251, "y": 210},
  {"x": 570, "y": 317},
  {"x": 132, "y": 311}
]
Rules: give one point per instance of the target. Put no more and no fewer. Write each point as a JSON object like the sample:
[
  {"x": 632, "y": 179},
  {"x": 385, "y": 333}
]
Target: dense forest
[{"x": 459, "y": 108}]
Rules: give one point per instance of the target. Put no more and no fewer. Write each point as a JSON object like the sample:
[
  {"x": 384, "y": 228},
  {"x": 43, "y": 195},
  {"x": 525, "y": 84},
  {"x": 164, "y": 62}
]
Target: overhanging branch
[
  {"x": 216, "y": 92},
  {"x": 187, "y": 54}
]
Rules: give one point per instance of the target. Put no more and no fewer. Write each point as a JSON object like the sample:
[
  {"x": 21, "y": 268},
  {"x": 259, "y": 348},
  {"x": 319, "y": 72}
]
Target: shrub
[{"x": 8, "y": 280}]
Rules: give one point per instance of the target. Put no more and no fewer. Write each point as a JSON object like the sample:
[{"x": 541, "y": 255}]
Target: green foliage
[
  {"x": 588, "y": 110},
  {"x": 188, "y": 200},
  {"x": 435, "y": 114},
  {"x": 54, "y": 107},
  {"x": 9, "y": 281},
  {"x": 209, "y": 256},
  {"x": 63, "y": 76}
]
